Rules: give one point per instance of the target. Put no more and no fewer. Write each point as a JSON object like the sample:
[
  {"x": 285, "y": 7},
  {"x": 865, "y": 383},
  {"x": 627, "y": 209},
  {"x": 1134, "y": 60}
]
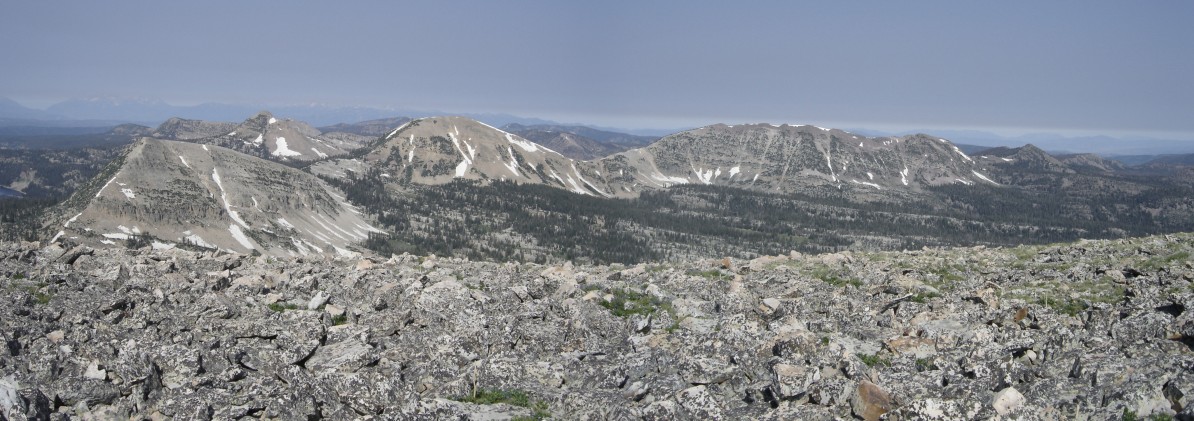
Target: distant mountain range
[
  {"x": 106, "y": 112},
  {"x": 1107, "y": 146},
  {"x": 457, "y": 186},
  {"x": 96, "y": 112}
]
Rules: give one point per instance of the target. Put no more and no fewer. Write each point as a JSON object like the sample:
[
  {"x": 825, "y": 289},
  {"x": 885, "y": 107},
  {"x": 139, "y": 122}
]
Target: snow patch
[
  {"x": 866, "y": 184},
  {"x": 101, "y": 190},
  {"x": 403, "y": 126},
  {"x": 525, "y": 145},
  {"x": 282, "y": 149},
  {"x": 472, "y": 153},
  {"x": 965, "y": 181},
  {"x": 734, "y": 171},
  {"x": 73, "y": 219},
  {"x": 410, "y": 157},
  {"x": 904, "y": 176},
  {"x": 299, "y": 245},
  {"x": 755, "y": 179},
  {"x": 158, "y": 245},
  {"x": 128, "y": 193},
  {"x": 184, "y": 161},
  {"x": 959, "y": 151},
  {"x": 240, "y": 237},
  {"x": 977, "y": 174},
  {"x": 554, "y": 175},
  {"x": 462, "y": 167},
  {"x": 59, "y": 234},
  {"x": 705, "y": 176},
  {"x": 513, "y": 164},
  {"x": 1006, "y": 160},
  {"x": 205, "y": 148},
  {"x": 343, "y": 252},
  {"x": 313, "y": 246},
  {"x": 283, "y": 222},
  {"x": 117, "y": 236},
  {"x": 576, "y": 187},
  {"x": 870, "y": 176},
  {"x": 273, "y": 120},
  {"x": 582, "y": 179},
  {"x": 829, "y": 162},
  {"x": 317, "y": 152},
  {"x": 197, "y": 240},
  {"x": 215, "y": 175}
]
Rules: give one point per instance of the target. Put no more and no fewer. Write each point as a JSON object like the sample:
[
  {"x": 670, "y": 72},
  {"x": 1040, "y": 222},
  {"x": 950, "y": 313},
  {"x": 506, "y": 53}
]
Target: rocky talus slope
[{"x": 1095, "y": 329}]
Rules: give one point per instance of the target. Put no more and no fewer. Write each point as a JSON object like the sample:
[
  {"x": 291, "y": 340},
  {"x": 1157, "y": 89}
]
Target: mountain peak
[{"x": 186, "y": 193}]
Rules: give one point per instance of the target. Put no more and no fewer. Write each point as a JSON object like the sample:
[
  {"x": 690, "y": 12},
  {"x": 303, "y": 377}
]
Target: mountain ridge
[{"x": 173, "y": 192}]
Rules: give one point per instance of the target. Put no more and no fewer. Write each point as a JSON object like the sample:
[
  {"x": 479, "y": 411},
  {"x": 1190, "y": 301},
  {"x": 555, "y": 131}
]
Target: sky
[{"x": 1114, "y": 67}]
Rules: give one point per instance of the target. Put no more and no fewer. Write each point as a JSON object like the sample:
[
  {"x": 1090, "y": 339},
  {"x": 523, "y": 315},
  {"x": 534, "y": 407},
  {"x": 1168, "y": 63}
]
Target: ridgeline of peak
[
  {"x": 787, "y": 158},
  {"x": 178, "y": 193},
  {"x": 263, "y": 135},
  {"x": 436, "y": 150},
  {"x": 183, "y": 129},
  {"x": 371, "y": 128},
  {"x": 570, "y": 144}
]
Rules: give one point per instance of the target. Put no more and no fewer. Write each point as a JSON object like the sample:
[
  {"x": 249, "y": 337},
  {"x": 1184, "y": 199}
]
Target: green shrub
[
  {"x": 922, "y": 297},
  {"x": 280, "y": 307},
  {"x": 873, "y": 360},
  {"x": 925, "y": 364},
  {"x": 626, "y": 303},
  {"x": 339, "y": 320},
  {"x": 510, "y": 397},
  {"x": 707, "y": 274}
]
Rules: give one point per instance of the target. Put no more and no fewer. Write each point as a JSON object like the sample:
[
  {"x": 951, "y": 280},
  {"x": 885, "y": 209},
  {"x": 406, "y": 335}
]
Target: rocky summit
[{"x": 1086, "y": 330}]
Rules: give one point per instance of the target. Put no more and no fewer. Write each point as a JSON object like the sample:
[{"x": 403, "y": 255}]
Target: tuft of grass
[
  {"x": 656, "y": 268},
  {"x": 925, "y": 364},
  {"x": 18, "y": 275},
  {"x": 510, "y": 397},
  {"x": 873, "y": 360},
  {"x": 1160, "y": 262},
  {"x": 832, "y": 277},
  {"x": 339, "y": 320},
  {"x": 922, "y": 297},
  {"x": 281, "y": 307},
  {"x": 627, "y": 303},
  {"x": 707, "y": 274}
]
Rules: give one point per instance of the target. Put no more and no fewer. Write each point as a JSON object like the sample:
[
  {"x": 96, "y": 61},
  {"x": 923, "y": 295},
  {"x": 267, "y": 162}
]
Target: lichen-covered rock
[{"x": 1032, "y": 332}]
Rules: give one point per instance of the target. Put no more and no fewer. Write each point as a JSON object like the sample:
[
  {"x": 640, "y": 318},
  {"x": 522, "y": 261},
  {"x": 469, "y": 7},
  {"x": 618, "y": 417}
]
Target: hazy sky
[{"x": 1091, "y": 66}]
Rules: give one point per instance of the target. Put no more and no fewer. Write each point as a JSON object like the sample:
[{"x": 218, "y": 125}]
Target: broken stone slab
[
  {"x": 1007, "y": 400},
  {"x": 316, "y": 301},
  {"x": 870, "y": 401},
  {"x": 345, "y": 356}
]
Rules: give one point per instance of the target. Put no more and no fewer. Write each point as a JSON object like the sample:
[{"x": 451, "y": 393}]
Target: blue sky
[{"x": 1078, "y": 66}]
